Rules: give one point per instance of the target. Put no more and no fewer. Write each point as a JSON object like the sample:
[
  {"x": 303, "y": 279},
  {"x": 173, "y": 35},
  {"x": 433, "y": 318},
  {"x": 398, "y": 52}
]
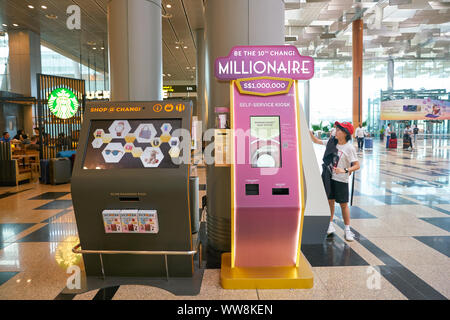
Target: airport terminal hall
[{"x": 225, "y": 158}]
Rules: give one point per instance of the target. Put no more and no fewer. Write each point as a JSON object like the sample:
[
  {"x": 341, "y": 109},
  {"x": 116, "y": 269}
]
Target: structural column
[
  {"x": 357, "y": 58},
  {"x": 390, "y": 74},
  {"x": 135, "y": 49},
  {"x": 24, "y": 65},
  {"x": 202, "y": 111},
  {"x": 232, "y": 23},
  {"x": 306, "y": 101}
]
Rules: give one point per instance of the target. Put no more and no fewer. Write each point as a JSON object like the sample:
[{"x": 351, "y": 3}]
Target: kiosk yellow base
[{"x": 300, "y": 277}]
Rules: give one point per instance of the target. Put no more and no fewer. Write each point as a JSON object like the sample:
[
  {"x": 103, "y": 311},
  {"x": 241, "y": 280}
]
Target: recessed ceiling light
[
  {"x": 30, "y": 6},
  {"x": 51, "y": 16},
  {"x": 94, "y": 48},
  {"x": 169, "y": 74},
  {"x": 91, "y": 43},
  {"x": 164, "y": 74},
  {"x": 103, "y": 48},
  {"x": 185, "y": 47},
  {"x": 44, "y": 7},
  {"x": 5, "y": 25},
  {"x": 15, "y": 25},
  {"x": 188, "y": 68},
  {"x": 169, "y": 6},
  {"x": 177, "y": 47}
]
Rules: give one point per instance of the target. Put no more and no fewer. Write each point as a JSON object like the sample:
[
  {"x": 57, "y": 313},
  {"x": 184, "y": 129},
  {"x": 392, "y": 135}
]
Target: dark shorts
[{"x": 339, "y": 191}]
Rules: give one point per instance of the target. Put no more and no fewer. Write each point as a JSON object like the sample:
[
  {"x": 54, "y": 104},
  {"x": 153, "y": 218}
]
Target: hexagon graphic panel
[
  {"x": 145, "y": 132},
  {"x": 97, "y": 143},
  {"x": 129, "y": 138},
  {"x": 156, "y": 142},
  {"x": 99, "y": 133},
  {"x": 152, "y": 157},
  {"x": 174, "y": 142},
  {"x": 129, "y": 147},
  {"x": 166, "y": 128},
  {"x": 137, "y": 152},
  {"x": 119, "y": 129},
  {"x": 113, "y": 152},
  {"x": 174, "y": 152},
  {"x": 107, "y": 138}
]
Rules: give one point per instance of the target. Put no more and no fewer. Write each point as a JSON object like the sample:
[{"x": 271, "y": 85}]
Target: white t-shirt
[
  {"x": 408, "y": 131},
  {"x": 388, "y": 131},
  {"x": 333, "y": 131},
  {"x": 360, "y": 132},
  {"x": 347, "y": 155}
]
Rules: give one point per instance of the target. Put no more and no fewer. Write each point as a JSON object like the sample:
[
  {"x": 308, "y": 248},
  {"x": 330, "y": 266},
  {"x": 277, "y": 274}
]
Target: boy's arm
[{"x": 315, "y": 139}]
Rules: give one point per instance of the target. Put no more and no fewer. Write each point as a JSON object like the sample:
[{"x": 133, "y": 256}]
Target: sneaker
[
  {"x": 349, "y": 236},
  {"x": 331, "y": 229}
]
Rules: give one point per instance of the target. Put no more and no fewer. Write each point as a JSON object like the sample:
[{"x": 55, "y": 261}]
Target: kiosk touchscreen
[{"x": 126, "y": 177}]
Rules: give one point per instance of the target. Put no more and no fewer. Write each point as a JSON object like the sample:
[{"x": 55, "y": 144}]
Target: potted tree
[{"x": 382, "y": 134}]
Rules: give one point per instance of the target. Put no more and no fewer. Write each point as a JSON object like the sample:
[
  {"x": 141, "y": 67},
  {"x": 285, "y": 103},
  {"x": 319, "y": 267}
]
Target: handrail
[
  {"x": 77, "y": 250},
  {"x": 158, "y": 253}
]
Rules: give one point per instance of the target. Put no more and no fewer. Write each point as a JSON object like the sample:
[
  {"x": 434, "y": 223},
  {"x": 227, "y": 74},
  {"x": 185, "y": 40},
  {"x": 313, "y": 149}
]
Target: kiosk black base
[{"x": 188, "y": 286}]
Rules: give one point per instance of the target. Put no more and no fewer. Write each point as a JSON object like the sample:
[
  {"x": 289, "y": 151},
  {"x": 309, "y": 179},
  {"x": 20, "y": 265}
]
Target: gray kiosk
[{"x": 130, "y": 195}]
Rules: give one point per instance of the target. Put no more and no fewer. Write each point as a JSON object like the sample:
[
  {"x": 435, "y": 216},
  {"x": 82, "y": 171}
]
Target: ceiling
[
  {"x": 395, "y": 28},
  {"x": 321, "y": 28},
  {"x": 178, "y": 28}
]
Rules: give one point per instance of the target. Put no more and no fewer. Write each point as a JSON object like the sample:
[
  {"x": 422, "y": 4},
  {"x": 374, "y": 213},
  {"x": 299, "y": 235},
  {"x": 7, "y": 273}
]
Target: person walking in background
[
  {"x": 333, "y": 131},
  {"x": 407, "y": 133},
  {"x": 360, "y": 134},
  {"x": 388, "y": 134},
  {"x": 340, "y": 160},
  {"x": 415, "y": 133}
]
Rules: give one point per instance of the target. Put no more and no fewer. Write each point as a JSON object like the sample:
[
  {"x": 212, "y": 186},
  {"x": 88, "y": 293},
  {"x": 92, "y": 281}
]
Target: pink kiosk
[{"x": 268, "y": 199}]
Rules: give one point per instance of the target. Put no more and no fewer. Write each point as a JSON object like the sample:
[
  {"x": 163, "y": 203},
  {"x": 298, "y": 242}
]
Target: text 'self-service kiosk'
[
  {"x": 268, "y": 193},
  {"x": 129, "y": 191}
]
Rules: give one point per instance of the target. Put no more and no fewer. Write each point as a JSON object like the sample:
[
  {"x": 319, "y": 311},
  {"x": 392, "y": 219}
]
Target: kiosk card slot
[
  {"x": 280, "y": 191},
  {"x": 129, "y": 199}
]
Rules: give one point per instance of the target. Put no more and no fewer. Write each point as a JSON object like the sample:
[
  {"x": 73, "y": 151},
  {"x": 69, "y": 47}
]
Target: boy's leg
[
  {"x": 348, "y": 234},
  {"x": 331, "y": 204},
  {"x": 345, "y": 213},
  {"x": 331, "y": 228}
]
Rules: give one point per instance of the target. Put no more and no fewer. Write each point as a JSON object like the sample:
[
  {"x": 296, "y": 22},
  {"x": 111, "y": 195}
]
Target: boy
[{"x": 344, "y": 161}]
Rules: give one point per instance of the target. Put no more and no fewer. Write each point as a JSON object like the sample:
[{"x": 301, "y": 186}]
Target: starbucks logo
[{"x": 63, "y": 103}]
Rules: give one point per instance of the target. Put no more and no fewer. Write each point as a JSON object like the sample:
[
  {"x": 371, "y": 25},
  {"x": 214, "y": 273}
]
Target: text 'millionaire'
[{"x": 260, "y": 61}]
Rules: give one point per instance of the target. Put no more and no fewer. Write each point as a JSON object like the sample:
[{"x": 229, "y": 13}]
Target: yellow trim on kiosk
[
  {"x": 302, "y": 186},
  {"x": 242, "y": 91},
  {"x": 232, "y": 174}
]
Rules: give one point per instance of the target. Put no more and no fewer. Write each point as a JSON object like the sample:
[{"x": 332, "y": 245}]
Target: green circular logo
[{"x": 63, "y": 103}]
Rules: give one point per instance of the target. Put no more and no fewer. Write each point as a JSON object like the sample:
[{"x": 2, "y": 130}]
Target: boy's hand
[{"x": 339, "y": 170}]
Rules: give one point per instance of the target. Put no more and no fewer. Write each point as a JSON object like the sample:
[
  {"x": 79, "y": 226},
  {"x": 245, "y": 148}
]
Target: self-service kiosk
[
  {"x": 130, "y": 190},
  {"x": 267, "y": 178}
]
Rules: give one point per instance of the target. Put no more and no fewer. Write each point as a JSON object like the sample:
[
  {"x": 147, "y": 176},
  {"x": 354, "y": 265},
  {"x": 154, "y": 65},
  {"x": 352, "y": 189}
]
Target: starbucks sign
[{"x": 63, "y": 103}]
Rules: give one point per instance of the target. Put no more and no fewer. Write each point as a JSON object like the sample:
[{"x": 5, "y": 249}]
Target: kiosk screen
[
  {"x": 265, "y": 142},
  {"x": 118, "y": 144}
]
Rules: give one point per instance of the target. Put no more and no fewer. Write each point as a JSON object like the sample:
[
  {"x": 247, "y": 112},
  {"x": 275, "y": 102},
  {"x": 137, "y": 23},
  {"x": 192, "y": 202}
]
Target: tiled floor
[{"x": 400, "y": 215}]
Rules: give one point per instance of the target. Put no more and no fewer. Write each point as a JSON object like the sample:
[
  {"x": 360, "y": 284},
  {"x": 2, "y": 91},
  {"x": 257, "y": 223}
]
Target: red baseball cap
[{"x": 347, "y": 126}]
